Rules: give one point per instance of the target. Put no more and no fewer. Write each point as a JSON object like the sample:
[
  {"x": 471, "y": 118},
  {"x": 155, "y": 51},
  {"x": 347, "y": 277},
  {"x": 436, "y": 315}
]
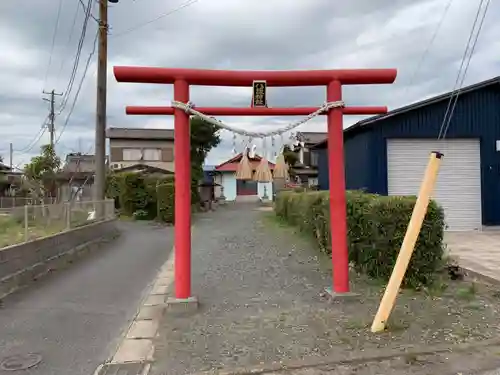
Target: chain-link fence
[
  {"x": 29, "y": 222},
  {"x": 11, "y": 202}
]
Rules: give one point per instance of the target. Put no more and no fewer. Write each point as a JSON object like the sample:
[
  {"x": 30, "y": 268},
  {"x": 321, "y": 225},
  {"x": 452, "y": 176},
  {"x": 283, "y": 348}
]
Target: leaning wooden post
[{"x": 408, "y": 245}]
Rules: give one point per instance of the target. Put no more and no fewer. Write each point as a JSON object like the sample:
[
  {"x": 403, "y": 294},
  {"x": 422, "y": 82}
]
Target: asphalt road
[{"x": 74, "y": 318}]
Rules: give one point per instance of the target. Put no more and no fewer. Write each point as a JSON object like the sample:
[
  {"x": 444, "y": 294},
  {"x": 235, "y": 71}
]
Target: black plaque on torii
[{"x": 259, "y": 94}]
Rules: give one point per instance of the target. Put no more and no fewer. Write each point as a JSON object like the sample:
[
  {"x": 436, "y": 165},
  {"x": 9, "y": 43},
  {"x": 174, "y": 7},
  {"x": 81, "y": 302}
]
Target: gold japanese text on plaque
[{"x": 259, "y": 98}]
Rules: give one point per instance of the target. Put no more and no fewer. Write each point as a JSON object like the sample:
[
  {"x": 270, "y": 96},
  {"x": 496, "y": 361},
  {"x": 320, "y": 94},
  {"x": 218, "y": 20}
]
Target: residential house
[
  {"x": 241, "y": 190},
  {"x": 388, "y": 154},
  {"x": 141, "y": 147},
  {"x": 7, "y": 180},
  {"x": 14, "y": 187},
  {"x": 306, "y": 168},
  {"x": 76, "y": 179}
]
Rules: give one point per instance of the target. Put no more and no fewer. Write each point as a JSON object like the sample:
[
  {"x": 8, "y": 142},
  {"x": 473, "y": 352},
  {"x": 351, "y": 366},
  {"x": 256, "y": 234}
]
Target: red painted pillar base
[
  {"x": 338, "y": 220},
  {"x": 182, "y": 164}
]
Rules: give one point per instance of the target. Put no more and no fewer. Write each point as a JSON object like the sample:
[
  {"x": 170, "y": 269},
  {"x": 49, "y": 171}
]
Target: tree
[
  {"x": 1, "y": 159},
  {"x": 43, "y": 168},
  {"x": 291, "y": 157},
  {"x": 204, "y": 137}
]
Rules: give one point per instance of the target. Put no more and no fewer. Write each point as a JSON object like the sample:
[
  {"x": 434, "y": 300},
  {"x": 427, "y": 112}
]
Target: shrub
[
  {"x": 376, "y": 228},
  {"x": 166, "y": 199},
  {"x": 136, "y": 194},
  {"x": 146, "y": 196}
]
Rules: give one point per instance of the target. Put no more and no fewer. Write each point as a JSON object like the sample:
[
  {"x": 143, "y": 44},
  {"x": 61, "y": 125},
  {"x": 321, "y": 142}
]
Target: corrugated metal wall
[
  {"x": 323, "y": 183},
  {"x": 477, "y": 115},
  {"x": 357, "y": 159}
]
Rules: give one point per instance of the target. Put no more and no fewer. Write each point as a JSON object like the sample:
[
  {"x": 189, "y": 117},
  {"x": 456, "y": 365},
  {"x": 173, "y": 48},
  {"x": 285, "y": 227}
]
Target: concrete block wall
[{"x": 22, "y": 264}]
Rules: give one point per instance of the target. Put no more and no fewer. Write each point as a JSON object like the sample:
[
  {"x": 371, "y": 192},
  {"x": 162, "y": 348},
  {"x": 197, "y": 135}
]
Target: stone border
[
  {"x": 480, "y": 277},
  {"x": 105, "y": 230},
  {"x": 354, "y": 359},
  {"x": 137, "y": 345}
]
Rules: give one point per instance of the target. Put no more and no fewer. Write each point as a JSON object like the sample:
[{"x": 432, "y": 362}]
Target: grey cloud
[{"x": 237, "y": 34}]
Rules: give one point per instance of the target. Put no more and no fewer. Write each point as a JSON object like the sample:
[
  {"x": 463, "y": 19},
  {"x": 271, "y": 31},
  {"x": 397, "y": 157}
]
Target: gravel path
[
  {"x": 254, "y": 298},
  {"x": 260, "y": 288},
  {"x": 74, "y": 317}
]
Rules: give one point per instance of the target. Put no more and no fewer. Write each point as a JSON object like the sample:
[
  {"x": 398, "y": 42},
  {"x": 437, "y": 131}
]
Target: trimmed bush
[
  {"x": 376, "y": 228},
  {"x": 166, "y": 199},
  {"x": 135, "y": 194},
  {"x": 145, "y": 197}
]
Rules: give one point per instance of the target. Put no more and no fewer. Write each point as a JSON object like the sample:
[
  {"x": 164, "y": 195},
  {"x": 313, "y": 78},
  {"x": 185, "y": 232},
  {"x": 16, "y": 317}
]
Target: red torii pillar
[{"x": 183, "y": 78}]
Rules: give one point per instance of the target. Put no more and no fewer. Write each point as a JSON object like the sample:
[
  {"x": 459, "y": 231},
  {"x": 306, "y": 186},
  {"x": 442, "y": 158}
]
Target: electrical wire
[
  {"x": 85, "y": 10},
  {"x": 75, "y": 99},
  {"x": 461, "y": 78},
  {"x": 141, "y": 25},
  {"x": 54, "y": 35},
  {"x": 76, "y": 62},
  {"x": 35, "y": 139},
  {"x": 73, "y": 24},
  {"x": 429, "y": 45}
]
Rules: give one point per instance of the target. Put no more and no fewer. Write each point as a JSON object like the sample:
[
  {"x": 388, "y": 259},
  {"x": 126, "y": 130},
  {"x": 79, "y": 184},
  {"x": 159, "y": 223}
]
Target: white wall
[
  {"x": 228, "y": 181},
  {"x": 218, "y": 180},
  {"x": 229, "y": 184}
]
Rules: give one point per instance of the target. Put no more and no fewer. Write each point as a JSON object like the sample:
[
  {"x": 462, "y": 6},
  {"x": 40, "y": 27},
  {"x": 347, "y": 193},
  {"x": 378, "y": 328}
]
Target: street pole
[
  {"x": 100, "y": 125},
  {"x": 11, "y": 154},
  {"x": 52, "y": 115},
  {"x": 52, "y": 131}
]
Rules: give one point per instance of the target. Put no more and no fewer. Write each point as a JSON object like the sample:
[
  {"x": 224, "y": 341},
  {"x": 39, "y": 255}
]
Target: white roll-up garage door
[{"x": 458, "y": 188}]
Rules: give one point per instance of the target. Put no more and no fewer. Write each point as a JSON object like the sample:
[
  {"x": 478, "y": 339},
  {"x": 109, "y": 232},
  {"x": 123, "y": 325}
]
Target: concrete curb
[
  {"x": 480, "y": 276},
  {"x": 354, "y": 359},
  {"x": 137, "y": 344}
]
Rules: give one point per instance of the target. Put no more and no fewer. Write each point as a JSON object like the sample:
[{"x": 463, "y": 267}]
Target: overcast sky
[{"x": 228, "y": 34}]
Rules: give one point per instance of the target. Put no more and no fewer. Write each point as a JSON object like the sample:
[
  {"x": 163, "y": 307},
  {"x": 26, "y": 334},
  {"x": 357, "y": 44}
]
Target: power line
[
  {"x": 76, "y": 62},
  {"x": 429, "y": 45},
  {"x": 73, "y": 24},
  {"x": 75, "y": 99},
  {"x": 141, "y": 25},
  {"x": 85, "y": 10},
  {"x": 36, "y": 139},
  {"x": 53, "y": 41},
  {"x": 461, "y": 78}
]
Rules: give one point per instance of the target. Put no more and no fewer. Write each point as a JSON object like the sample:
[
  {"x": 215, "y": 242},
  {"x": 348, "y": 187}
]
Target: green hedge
[
  {"x": 166, "y": 198},
  {"x": 376, "y": 228},
  {"x": 144, "y": 197}
]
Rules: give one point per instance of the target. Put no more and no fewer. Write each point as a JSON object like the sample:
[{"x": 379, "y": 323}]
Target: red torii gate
[{"x": 183, "y": 78}]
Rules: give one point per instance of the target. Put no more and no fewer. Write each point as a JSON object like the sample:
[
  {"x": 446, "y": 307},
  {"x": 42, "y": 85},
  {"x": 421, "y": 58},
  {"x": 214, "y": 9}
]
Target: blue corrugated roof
[{"x": 371, "y": 120}]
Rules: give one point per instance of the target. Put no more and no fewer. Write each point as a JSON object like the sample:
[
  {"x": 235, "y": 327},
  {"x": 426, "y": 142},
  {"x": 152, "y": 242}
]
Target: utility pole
[
  {"x": 11, "y": 154},
  {"x": 100, "y": 125},
  {"x": 52, "y": 115}
]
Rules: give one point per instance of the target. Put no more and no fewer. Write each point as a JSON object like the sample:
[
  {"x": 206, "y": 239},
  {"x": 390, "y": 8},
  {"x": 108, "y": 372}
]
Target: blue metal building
[{"x": 387, "y": 154}]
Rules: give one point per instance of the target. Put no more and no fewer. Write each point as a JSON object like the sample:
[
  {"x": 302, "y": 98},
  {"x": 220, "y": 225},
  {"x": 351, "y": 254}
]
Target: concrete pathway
[
  {"x": 75, "y": 318},
  {"x": 477, "y": 251}
]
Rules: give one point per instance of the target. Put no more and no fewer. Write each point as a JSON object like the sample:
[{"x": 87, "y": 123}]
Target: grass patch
[
  {"x": 447, "y": 311},
  {"x": 13, "y": 231}
]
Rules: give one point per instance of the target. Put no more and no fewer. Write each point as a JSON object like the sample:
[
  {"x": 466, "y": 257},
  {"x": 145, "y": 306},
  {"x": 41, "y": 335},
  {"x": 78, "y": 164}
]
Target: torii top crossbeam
[
  {"x": 182, "y": 79},
  {"x": 275, "y": 78}
]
